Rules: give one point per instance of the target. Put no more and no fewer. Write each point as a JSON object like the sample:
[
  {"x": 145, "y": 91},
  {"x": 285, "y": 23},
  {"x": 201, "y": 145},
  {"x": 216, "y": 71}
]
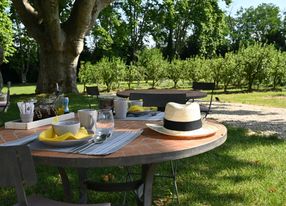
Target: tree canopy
[{"x": 198, "y": 31}]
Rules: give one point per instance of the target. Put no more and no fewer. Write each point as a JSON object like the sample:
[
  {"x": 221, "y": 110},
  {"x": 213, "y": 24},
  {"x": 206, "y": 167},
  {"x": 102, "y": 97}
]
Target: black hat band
[{"x": 182, "y": 126}]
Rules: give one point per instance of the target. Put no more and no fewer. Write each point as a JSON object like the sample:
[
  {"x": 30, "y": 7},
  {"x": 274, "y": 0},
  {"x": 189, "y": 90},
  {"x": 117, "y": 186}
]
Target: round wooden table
[
  {"x": 149, "y": 149},
  {"x": 190, "y": 94}
]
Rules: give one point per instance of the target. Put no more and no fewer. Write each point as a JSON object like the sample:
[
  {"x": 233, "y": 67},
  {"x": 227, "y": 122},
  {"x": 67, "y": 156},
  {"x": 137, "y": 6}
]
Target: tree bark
[
  {"x": 57, "y": 66},
  {"x": 60, "y": 42}
]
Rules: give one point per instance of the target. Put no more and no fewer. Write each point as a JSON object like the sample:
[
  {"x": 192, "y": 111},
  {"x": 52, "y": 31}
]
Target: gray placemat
[
  {"x": 21, "y": 141},
  {"x": 118, "y": 140}
]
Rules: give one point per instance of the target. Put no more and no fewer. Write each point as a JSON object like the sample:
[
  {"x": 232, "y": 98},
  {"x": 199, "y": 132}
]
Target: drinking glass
[{"x": 104, "y": 124}]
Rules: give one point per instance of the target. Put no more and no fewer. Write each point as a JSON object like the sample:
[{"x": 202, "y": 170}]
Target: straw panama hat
[{"x": 183, "y": 120}]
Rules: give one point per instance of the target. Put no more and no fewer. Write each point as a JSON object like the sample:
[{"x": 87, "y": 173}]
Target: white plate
[{"x": 67, "y": 143}]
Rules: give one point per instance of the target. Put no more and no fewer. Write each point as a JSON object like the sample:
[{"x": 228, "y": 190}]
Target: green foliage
[
  {"x": 251, "y": 66},
  {"x": 197, "y": 69},
  {"x": 230, "y": 71},
  {"x": 87, "y": 74},
  {"x": 254, "y": 61},
  {"x": 25, "y": 60},
  {"x": 123, "y": 28},
  {"x": 109, "y": 33},
  {"x": 262, "y": 24},
  {"x": 210, "y": 26},
  {"x": 110, "y": 71},
  {"x": 133, "y": 73},
  {"x": 153, "y": 63},
  {"x": 6, "y": 31},
  {"x": 175, "y": 71},
  {"x": 277, "y": 68}
]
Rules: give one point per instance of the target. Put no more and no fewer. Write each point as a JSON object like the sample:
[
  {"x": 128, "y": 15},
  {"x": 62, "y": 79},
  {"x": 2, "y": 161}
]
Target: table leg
[
  {"x": 82, "y": 176},
  {"x": 66, "y": 184},
  {"x": 147, "y": 177}
]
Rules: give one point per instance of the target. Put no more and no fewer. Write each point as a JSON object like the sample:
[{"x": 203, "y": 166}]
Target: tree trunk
[
  {"x": 61, "y": 42},
  {"x": 250, "y": 83},
  {"x": 175, "y": 84},
  {"x": 170, "y": 46},
  {"x": 57, "y": 67}
]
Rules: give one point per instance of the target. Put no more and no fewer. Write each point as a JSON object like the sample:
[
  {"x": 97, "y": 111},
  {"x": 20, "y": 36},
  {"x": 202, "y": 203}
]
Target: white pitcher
[{"x": 87, "y": 118}]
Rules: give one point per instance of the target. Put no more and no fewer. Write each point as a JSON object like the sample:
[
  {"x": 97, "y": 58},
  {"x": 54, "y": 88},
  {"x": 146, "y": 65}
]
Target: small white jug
[{"x": 87, "y": 119}]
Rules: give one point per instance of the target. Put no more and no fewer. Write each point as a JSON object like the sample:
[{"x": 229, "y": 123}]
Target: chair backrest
[
  {"x": 4, "y": 108},
  {"x": 93, "y": 90},
  {"x": 17, "y": 168},
  {"x": 203, "y": 86},
  {"x": 158, "y": 100}
]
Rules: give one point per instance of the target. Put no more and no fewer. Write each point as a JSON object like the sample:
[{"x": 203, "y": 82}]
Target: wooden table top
[
  {"x": 190, "y": 94},
  {"x": 150, "y": 147}
]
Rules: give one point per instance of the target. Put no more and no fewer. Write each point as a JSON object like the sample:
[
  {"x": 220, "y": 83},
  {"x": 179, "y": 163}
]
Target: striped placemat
[{"x": 117, "y": 140}]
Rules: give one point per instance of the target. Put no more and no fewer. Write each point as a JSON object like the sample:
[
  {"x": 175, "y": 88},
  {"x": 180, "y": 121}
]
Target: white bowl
[{"x": 63, "y": 127}]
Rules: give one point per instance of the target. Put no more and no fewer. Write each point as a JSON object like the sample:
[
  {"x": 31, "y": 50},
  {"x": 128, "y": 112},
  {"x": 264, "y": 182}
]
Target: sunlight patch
[{"x": 261, "y": 133}]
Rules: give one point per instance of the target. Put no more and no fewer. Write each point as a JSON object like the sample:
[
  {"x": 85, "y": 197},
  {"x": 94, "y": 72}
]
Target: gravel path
[{"x": 264, "y": 120}]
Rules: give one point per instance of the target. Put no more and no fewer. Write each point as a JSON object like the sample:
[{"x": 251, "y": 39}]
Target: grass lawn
[
  {"x": 270, "y": 98},
  {"x": 245, "y": 170}
]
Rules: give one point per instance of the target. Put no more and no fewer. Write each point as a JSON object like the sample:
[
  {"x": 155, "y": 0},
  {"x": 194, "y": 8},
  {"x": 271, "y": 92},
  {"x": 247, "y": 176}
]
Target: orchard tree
[
  {"x": 197, "y": 69},
  {"x": 154, "y": 65},
  {"x": 110, "y": 71},
  {"x": 255, "y": 60},
  {"x": 87, "y": 74},
  {"x": 230, "y": 70},
  {"x": 277, "y": 67},
  {"x": 174, "y": 71},
  {"x": 216, "y": 66},
  {"x": 59, "y": 27},
  {"x": 133, "y": 74}
]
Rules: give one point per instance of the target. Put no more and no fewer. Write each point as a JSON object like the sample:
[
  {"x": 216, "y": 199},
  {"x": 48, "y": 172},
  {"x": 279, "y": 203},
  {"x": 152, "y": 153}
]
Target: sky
[{"x": 236, "y": 4}]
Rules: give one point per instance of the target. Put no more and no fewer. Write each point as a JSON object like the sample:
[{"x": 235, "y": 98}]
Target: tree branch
[
  {"x": 82, "y": 18},
  {"x": 100, "y": 5},
  {"x": 50, "y": 11},
  {"x": 79, "y": 20},
  {"x": 30, "y": 18}
]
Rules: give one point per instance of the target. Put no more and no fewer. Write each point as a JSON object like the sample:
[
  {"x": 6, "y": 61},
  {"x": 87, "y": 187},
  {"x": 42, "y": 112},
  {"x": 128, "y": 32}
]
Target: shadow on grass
[{"x": 207, "y": 178}]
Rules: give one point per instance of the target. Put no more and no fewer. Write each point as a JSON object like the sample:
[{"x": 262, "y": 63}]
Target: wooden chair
[
  {"x": 205, "y": 108},
  {"x": 91, "y": 92},
  {"x": 17, "y": 169},
  {"x": 158, "y": 100},
  {"x": 4, "y": 107}
]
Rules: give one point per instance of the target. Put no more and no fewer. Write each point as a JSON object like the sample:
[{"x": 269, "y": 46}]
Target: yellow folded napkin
[{"x": 50, "y": 135}]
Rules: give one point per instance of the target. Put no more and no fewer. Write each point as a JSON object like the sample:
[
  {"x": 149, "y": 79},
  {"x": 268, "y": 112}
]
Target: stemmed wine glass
[{"x": 104, "y": 124}]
